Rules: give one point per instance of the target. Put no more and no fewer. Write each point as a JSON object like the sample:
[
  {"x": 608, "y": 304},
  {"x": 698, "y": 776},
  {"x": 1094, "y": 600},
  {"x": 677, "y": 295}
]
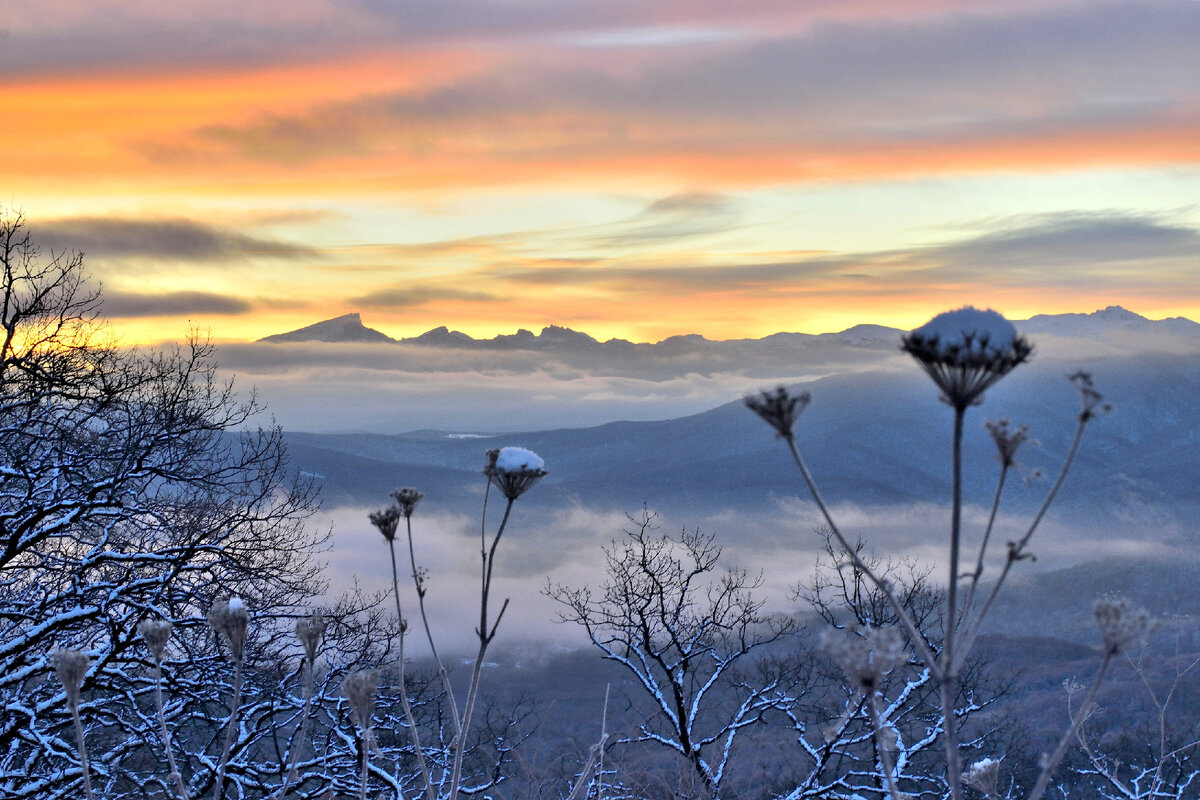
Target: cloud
[
  {"x": 1075, "y": 240},
  {"x": 834, "y": 88},
  {"x": 402, "y": 296},
  {"x": 125, "y": 304},
  {"x": 178, "y": 239}
]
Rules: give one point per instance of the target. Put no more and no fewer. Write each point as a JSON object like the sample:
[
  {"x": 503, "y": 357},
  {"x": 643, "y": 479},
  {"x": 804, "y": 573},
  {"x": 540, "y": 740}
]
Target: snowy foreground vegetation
[{"x": 164, "y": 633}]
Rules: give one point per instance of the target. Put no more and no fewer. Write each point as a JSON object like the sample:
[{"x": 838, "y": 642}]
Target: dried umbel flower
[
  {"x": 70, "y": 666},
  {"x": 1007, "y": 440},
  {"x": 359, "y": 689},
  {"x": 155, "y": 633},
  {"x": 231, "y": 620},
  {"x": 983, "y": 776},
  {"x": 966, "y": 351},
  {"x": 1123, "y": 624},
  {"x": 779, "y": 408},
  {"x": 386, "y": 520},
  {"x": 310, "y": 631},
  {"x": 865, "y": 654},
  {"x": 513, "y": 470},
  {"x": 1091, "y": 400},
  {"x": 407, "y": 499}
]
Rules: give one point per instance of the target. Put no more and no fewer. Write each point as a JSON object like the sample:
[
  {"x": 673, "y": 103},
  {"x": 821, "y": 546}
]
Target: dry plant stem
[
  {"x": 366, "y": 750},
  {"x": 987, "y": 535},
  {"x": 906, "y": 621},
  {"x": 408, "y": 715},
  {"x": 219, "y": 787},
  {"x": 486, "y": 634},
  {"x": 1016, "y": 551},
  {"x": 949, "y": 673},
  {"x": 1077, "y": 721},
  {"x": 83, "y": 756},
  {"x": 166, "y": 737},
  {"x": 595, "y": 757},
  {"x": 446, "y": 687},
  {"x": 298, "y": 741},
  {"x": 885, "y": 755}
]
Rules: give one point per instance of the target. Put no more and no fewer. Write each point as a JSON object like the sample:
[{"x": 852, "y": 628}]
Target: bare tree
[
  {"x": 686, "y": 631},
  {"x": 133, "y": 486}
]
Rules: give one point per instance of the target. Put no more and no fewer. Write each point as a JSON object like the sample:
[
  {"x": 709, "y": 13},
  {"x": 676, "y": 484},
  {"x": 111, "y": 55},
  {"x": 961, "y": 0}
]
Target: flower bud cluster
[
  {"x": 155, "y": 633},
  {"x": 231, "y": 620},
  {"x": 779, "y": 408},
  {"x": 1123, "y": 623},
  {"x": 866, "y": 655},
  {"x": 70, "y": 666}
]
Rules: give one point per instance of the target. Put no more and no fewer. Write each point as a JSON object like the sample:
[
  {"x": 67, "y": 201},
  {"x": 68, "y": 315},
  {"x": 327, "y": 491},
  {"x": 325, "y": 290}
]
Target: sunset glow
[{"x": 629, "y": 169}]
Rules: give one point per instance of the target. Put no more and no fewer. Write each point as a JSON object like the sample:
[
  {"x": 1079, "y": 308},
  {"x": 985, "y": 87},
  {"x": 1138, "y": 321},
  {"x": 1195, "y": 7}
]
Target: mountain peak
[{"x": 346, "y": 328}]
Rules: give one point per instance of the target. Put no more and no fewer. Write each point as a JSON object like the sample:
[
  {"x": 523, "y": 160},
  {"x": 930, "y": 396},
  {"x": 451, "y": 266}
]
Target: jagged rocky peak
[
  {"x": 440, "y": 336},
  {"x": 346, "y": 328}
]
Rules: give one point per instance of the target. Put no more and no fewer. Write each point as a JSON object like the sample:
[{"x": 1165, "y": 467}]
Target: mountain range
[{"x": 350, "y": 328}]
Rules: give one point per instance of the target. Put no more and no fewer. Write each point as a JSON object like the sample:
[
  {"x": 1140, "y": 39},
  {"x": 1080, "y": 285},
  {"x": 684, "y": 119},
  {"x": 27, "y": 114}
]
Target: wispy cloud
[
  {"x": 178, "y": 239},
  {"x": 402, "y": 296},
  {"x": 172, "y": 304}
]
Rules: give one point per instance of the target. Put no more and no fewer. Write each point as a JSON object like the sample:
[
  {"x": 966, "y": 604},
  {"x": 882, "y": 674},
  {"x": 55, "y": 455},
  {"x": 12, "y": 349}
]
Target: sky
[{"x": 629, "y": 168}]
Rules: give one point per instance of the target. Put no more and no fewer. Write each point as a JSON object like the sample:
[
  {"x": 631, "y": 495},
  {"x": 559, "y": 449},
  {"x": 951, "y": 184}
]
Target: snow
[
  {"x": 236, "y": 604},
  {"x": 516, "y": 459},
  {"x": 953, "y": 329}
]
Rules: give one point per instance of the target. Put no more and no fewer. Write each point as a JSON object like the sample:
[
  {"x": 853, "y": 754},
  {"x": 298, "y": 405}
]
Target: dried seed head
[
  {"x": 865, "y": 654},
  {"x": 966, "y": 351},
  {"x": 1092, "y": 401},
  {"x": 1123, "y": 624},
  {"x": 155, "y": 633},
  {"x": 386, "y": 520},
  {"x": 513, "y": 470},
  {"x": 310, "y": 631},
  {"x": 359, "y": 689},
  {"x": 1007, "y": 440},
  {"x": 407, "y": 499},
  {"x": 983, "y": 776},
  {"x": 70, "y": 666},
  {"x": 779, "y": 408},
  {"x": 231, "y": 620}
]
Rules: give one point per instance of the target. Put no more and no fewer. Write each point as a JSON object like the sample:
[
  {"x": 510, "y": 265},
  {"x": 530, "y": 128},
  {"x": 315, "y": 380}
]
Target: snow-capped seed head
[
  {"x": 407, "y": 499},
  {"x": 386, "y": 520},
  {"x": 866, "y": 655},
  {"x": 310, "y": 631},
  {"x": 1007, "y": 440},
  {"x": 513, "y": 470},
  {"x": 983, "y": 776},
  {"x": 231, "y": 620},
  {"x": 359, "y": 690},
  {"x": 1092, "y": 401},
  {"x": 70, "y": 666},
  {"x": 966, "y": 351},
  {"x": 155, "y": 633},
  {"x": 779, "y": 408},
  {"x": 1123, "y": 623}
]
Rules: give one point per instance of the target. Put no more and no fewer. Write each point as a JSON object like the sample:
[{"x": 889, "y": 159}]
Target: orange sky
[{"x": 635, "y": 170}]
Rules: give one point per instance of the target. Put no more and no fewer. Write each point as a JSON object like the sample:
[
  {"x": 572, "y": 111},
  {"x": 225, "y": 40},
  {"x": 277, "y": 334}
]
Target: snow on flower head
[
  {"x": 236, "y": 604},
  {"x": 513, "y": 470},
  {"x": 966, "y": 351},
  {"x": 512, "y": 459},
  {"x": 969, "y": 328}
]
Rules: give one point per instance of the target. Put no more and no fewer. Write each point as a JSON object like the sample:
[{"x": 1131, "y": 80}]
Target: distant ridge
[
  {"x": 1110, "y": 321},
  {"x": 346, "y": 328}
]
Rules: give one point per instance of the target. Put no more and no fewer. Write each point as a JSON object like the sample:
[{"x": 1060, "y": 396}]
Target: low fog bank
[
  {"x": 327, "y": 387},
  {"x": 564, "y": 546}
]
